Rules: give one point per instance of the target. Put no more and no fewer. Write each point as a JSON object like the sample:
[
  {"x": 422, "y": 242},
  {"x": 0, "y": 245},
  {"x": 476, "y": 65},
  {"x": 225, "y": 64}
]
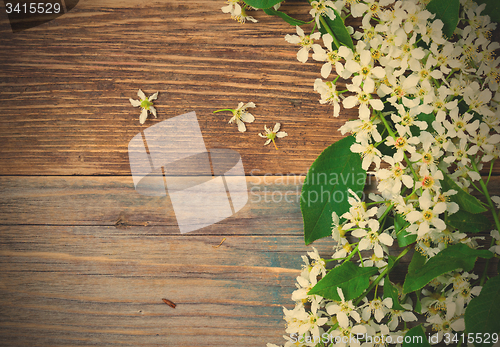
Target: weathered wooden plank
[
  {"x": 67, "y": 286},
  {"x": 273, "y": 204},
  {"x": 87, "y": 285},
  {"x": 65, "y": 86},
  {"x": 113, "y": 201},
  {"x": 96, "y": 284}
]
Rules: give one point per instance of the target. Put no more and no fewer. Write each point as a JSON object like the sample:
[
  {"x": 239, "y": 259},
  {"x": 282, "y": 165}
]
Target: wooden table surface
[{"x": 84, "y": 258}]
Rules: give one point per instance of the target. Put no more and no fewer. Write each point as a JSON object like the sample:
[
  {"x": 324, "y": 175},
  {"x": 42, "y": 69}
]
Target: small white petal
[
  {"x": 303, "y": 54},
  {"x": 241, "y": 126},
  {"x": 135, "y": 103},
  {"x": 153, "y": 110},
  {"x": 377, "y": 104},
  {"x": 386, "y": 239},
  {"x": 350, "y": 101},
  {"x": 153, "y": 97},
  {"x": 141, "y": 94},
  {"x": 143, "y": 116},
  {"x": 247, "y": 117}
]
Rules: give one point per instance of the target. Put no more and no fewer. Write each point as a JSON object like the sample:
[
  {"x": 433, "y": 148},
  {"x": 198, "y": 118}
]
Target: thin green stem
[
  {"x": 314, "y": 28},
  {"x": 495, "y": 218},
  {"x": 408, "y": 162},
  {"x": 352, "y": 253},
  {"x": 225, "y": 109},
  {"x": 479, "y": 190},
  {"x": 377, "y": 202},
  {"x": 450, "y": 74},
  {"x": 491, "y": 170},
  {"x": 382, "y": 275},
  {"x": 361, "y": 258},
  {"x": 386, "y": 212},
  {"x": 328, "y": 30},
  {"x": 334, "y": 259},
  {"x": 393, "y": 134}
]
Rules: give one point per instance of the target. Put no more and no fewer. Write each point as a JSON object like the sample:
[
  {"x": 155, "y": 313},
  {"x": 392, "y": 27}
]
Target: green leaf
[
  {"x": 415, "y": 337},
  {"x": 447, "y": 11},
  {"x": 454, "y": 257},
  {"x": 418, "y": 304},
  {"x": 284, "y": 16},
  {"x": 428, "y": 118},
  {"x": 465, "y": 201},
  {"x": 467, "y": 222},
  {"x": 390, "y": 291},
  {"x": 417, "y": 261},
  {"x": 404, "y": 237},
  {"x": 337, "y": 27},
  {"x": 352, "y": 279},
  {"x": 262, "y": 3},
  {"x": 325, "y": 188},
  {"x": 482, "y": 315},
  {"x": 492, "y": 9}
]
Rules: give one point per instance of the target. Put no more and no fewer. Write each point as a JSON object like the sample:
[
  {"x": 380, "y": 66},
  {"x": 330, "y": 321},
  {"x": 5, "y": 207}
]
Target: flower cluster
[
  {"x": 242, "y": 116},
  {"x": 428, "y": 122}
]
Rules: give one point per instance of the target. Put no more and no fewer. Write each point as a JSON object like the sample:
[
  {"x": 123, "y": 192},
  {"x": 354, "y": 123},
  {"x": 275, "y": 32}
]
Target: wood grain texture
[
  {"x": 87, "y": 286},
  {"x": 65, "y": 86},
  {"x": 84, "y": 258},
  {"x": 87, "y": 261}
]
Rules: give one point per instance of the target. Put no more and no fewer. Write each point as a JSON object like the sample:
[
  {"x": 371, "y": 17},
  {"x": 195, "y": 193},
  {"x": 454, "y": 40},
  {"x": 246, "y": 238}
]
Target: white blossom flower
[
  {"x": 478, "y": 99},
  {"x": 146, "y": 105},
  {"x": 372, "y": 8},
  {"x": 363, "y": 98},
  {"x": 233, "y": 7},
  {"x": 237, "y": 12},
  {"x": 429, "y": 215},
  {"x": 322, "y": 8},
  {"x": 376, "y": 308},
  {"x": 343, "y": 310},
  {"x": 402, "y": 144},
  {"x": 331, "y": 57},
  {"x": 447, "y": 324},
  {"x": 391, "y": 179},
  {"x": 445, "y": 56},
  {"x": 366, "y": 70},
  {"x": 369, "y": 153},
  {"x": 365, "y": 130},
  {"x": 397, "y": 315},
  {"x": 329, "y": 94},
  {"x": 357, "y": 215},
  {"x": 434, "y": 32},
  {"x": 460, "y": 124},
  {"x": 305, "y": 41},
  {"x": 481, "y": 139},
  {"x": 240, "y": 115},
  {"x": 406, "y": 118},
  {"x": 460, "y": 153},
  {"x": 496, "y": 236},
  {"x": 428, "y": 156},
  {"x": 338, "y": 232},
  {"x": 271, "y": 135},
  {"x": 371, "y": 239},
  {"x": 346, "y": 334}
]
